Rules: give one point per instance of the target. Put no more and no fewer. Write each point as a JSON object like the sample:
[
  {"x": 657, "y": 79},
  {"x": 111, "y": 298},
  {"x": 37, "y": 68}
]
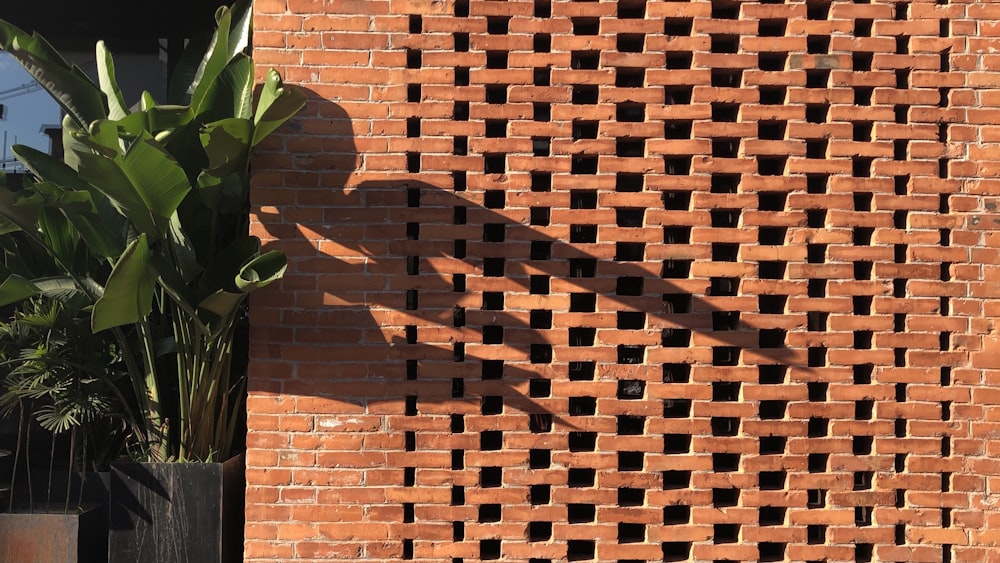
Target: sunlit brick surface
[{"x": 629, "y": 281}]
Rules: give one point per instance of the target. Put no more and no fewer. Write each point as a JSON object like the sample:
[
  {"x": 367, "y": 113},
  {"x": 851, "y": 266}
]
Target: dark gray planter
[
  {"x": 176, "y": 512},
  {"x": 77, "y": 537}
]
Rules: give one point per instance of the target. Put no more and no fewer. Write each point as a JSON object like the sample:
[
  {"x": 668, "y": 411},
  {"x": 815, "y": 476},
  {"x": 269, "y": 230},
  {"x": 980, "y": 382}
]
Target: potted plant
[
  {"x": 57, "y": 378},
  {"x": 155, "y": 197}
]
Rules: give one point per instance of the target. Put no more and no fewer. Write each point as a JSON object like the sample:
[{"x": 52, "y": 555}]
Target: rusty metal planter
[
  {"x": 176, "y": 512},
  {"x": 78, "y": 537}
]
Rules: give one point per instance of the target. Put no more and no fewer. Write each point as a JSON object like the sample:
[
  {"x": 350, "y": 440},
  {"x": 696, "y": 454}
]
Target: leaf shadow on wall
[{"x": 374, "y": 314}]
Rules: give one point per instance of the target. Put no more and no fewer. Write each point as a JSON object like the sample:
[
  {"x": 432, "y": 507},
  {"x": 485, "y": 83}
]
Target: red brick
[{"x": 900, "y": 283}]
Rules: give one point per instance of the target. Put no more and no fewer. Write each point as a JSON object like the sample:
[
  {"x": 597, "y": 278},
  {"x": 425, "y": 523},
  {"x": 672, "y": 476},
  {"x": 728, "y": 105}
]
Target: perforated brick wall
[{"x": 629, "y": 281}]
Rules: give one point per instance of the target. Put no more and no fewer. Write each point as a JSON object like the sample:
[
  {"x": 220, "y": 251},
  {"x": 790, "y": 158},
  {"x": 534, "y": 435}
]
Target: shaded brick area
[{"x": 628, "y": 281}]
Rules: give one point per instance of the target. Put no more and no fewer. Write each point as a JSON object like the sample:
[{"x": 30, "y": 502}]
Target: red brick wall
[{"x": 629, "y": 281}]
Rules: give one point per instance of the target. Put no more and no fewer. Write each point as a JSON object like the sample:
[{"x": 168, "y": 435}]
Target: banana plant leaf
[
  {"x": 262, "y": 271},
  {"x": 184, "y": 252},
  {"x": 78, "y": 209},
  {"x": 182, "y": 80},
  {"x": 103, "y": 138},
  {"x": 276, "y": 106},
  {"x": 16, "y": 288},
  {"x": 58, "y": 235},
  {"x": 227, "y": 144},
  {"x": 258, "y": 272},
  {"x": 68, "y": 85},
  {"x": 117, "y": 186},
  {"x": 128, "y": 295},
  {"x": 7, "y": 227},
  {"x": 147, "y": 184},
  {"x": 72, "y": 141},
  {"x": 216, "y": 58},
  {"x": 223, "y": 272},
  {"x": 49, "y": 167},
  {"x": 98, "y": 223},
  {"x": 240, "y": 28},
  {"x": 117, "y": 108},
  {"x": 161, "y": 118},
  {"x": 14, "y": 217},
  {"x": 158, "y": 178},
  {"x": 231, "y": 93}
]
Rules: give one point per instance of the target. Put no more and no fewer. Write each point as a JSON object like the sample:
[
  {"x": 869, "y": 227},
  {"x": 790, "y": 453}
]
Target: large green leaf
[
  {"x": 48, "y": 167},
  {"x": 209, "y": 189},
  {"x": 67, "y": 85},
  {"x": 108, "y": 176},
  {"x": 117, "y": 108},
  {"x": 158, "y": 178},
  {"x": 184, "y": 143},
  {"x": 78, "y": 208},
  {"x": 50, "y": 195},
  {"x": 231, "y": 93},
  {"x": 157, "y": 120},
  {"x": 146, "y": 101},
  {"x": 104, "y": 137},
  {"x": 86, "y": 207},
  {"x": 202, "y": 61},
  {"x": 185, "y": 257},
  {"x": 7, "y": 226},
  {"x": 58, "y": 234},
  {"x": 262, "y": 271},
  {"x": 96, "y": 236},
  {"x": 147, "y": 184},
  {"x": 73, "y": 142},
  {"x": 27, "y": 257},
  {"x": 276, "y": 106},
  {"x": 258, "y": 271},
  {"x": 128, "y": 295},
  {"x": 222, "y": 304},
  {"x": 216, "y": 58},
  {"x": 168, "y": 117},
  {"x": 16, "y": 217},
  {"x": 196, "y": 219},
  {"x": 42, "y": 48},
  {"x": 242, "y": 24},
  {"x": 16, "y": 288},
  {"x": 182, "y": 80},
  {"x": 172, "y": 281},
  {"x": 227, "y": 143},
  {"x": 77, "y": 96},
  {"x": 62, "y": 288},
  {"x": 225, "y": 268}
]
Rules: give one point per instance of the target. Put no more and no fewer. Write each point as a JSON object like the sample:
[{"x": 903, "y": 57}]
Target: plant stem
[
  {"x": 27, "y": 464},
  {"x": 181, "y": 340},
  {"x": 152, "y": 392},
  {"x": 69, "y": 468},
  {"x": 138, "y": 424},
  {"x": 17, "y": 454},
  {"x": 83, "y": 467},
  {"x": 52, "y": 464}
]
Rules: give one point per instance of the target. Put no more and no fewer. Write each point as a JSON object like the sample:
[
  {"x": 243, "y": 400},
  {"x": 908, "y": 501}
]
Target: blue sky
[{"x": 25, "y": 113}]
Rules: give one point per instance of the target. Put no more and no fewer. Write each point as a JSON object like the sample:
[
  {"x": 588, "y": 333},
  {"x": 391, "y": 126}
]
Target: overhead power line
[{"x": 26, "y": 88}]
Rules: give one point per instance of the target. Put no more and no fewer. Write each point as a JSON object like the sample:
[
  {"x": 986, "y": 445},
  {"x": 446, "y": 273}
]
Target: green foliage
[
  {"x": 49, "y": 357},
  {"x": 144, "y": 225},
  {"x": 59, "y": 376}
]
